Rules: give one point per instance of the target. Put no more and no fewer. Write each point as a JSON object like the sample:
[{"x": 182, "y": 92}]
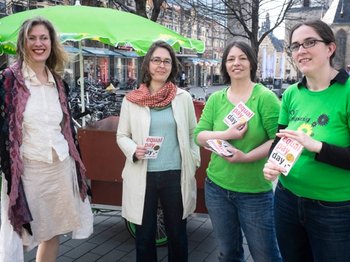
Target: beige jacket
[{"x": 133, "y": 129}]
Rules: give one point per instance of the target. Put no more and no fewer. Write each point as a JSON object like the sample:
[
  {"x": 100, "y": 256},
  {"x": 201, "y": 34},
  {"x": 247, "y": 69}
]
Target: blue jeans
[
  {"x": 231, "y": 212},
  {"x": 165, "y": 187},
  {"x": 311, "y": 230}
]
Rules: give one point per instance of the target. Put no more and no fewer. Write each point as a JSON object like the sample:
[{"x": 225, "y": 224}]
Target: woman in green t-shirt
[
  {"x": 237, "y": 196},
  {"x": 312, "y": 203}
]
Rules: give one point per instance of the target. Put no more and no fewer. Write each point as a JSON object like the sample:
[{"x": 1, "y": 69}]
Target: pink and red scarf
[{"x": 161, "y": 98}]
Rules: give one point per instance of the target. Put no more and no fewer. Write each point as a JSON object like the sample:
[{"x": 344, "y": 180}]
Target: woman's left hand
[
  {"x": 238, "y": 155},
  {"x": 305, "y": 140}
]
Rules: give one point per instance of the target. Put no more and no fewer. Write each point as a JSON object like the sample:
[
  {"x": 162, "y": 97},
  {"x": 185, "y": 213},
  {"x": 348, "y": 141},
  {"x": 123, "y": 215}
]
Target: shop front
[
  {"x": 126, "y": 69},
  {"x": 97, "y": 64},
  {"x": 103, "y": 66},
  {"x": 202, "y": 72}
]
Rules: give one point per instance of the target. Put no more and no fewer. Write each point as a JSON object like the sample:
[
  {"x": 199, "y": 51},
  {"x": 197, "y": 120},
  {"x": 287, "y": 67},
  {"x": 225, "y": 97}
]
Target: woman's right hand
[
  {"x": 140, "y": 152},
  {"x": 272, "y": 171},
  {"x": 236, "y": 132}
]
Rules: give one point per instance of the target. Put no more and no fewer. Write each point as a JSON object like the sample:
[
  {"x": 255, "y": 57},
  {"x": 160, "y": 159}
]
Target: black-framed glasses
[
  {"x": 158, "y": 61},
  {"x": 306, "y": 44}
]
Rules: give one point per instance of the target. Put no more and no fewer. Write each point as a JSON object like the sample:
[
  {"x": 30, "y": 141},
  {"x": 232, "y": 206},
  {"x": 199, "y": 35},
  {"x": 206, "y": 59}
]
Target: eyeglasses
[
  {"x": 158, "y": 61},
  {"x": 307, "y": 44}
]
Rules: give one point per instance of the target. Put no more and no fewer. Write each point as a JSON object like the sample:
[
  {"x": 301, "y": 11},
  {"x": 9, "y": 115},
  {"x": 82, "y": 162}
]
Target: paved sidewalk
[{"x": 112, "y": 242}]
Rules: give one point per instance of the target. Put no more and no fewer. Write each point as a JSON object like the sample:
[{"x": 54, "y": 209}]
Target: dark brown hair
[
  {"x": 145, "y": 74},
  {"x": 321, "y": 28},
  {"x": 248, "y": 51}
]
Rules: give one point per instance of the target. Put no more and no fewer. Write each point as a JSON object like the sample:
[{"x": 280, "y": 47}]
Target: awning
[
  {"x": 127, "y": 54},
  {"x": 203, "y": 61},
  {"x": 184, "y": 56},
  {"x": 100, "y": 51},
  {"x": 73, "y": 50}
]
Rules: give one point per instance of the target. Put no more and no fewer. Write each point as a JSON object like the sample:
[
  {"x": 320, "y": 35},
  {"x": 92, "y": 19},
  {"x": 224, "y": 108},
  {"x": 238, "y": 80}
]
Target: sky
[
  {"x": 279, "y": 32},
  {"x": 273, "y": 7}
]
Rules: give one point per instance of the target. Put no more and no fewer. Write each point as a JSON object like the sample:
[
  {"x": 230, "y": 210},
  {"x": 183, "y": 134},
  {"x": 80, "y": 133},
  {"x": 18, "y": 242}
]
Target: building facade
[
  {"x": 191, "y": 21},
  {"x": 200, "y": 69},
  {"x": 336, "y": 13},
  {"x": 338, "y": 16},
  {"x": 272, "y": 56}
]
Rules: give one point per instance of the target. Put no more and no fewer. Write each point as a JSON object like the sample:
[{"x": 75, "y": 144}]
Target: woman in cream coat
[{"x": 143, "y": 111}]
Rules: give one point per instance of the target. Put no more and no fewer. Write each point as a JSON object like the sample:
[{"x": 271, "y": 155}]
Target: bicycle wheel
[{"x": 161, "y": 237}]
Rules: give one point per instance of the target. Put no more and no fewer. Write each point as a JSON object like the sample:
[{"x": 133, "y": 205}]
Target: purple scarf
[{"x": 16, "y": 97}]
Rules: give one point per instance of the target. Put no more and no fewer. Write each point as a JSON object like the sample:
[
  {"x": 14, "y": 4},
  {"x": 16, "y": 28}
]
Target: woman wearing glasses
[
  {"x": 238, "y": 198},
  {"x": 312, "y": 203},
  {"x": 158, "y": 111}
]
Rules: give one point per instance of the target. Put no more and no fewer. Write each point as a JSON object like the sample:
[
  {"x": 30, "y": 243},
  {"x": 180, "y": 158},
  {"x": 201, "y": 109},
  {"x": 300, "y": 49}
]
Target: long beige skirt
[{"x": 51, "y": 191}]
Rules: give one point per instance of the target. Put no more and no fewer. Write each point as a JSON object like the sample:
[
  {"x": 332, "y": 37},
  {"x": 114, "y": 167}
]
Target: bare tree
[
  {"x": 240, "y": 18},
  {"x": 156, "y": 9},
  {"x": 141, "y": 8},
  {"x": 122, "y": 5}
]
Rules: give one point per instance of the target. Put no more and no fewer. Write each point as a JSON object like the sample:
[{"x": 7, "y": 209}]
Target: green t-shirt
[
  {"x": 325, "y": 116},
  {"x": 241, "y": 177}
]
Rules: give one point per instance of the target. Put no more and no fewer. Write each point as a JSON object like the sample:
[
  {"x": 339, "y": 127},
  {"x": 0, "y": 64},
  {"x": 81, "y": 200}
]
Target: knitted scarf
[
  {"x": 161, "y": 98},
  {"x": 13, "y": 99}
]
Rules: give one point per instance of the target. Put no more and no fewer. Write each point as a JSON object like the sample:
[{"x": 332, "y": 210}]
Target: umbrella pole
[{"x": 82, "y": 90}]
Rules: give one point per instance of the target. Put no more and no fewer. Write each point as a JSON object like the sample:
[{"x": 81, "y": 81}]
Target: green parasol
[
  {"x": 109, "y": 26},
  {"x": 106, "y": 25}
]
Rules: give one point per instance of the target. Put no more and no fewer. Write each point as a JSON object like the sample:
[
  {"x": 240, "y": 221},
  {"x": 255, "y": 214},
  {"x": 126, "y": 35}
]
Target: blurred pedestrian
[
  {"x": 238, "y": 198},
  {"x": 45, "y": 185},
  {"x": 312, "y": 203},
  {"x": 159, "y": 109},
  {"x": 182, "y": 79}
]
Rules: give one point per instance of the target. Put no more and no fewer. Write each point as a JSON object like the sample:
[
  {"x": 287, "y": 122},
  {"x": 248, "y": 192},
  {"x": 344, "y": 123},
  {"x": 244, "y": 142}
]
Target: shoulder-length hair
[
  {"x": 248, "y": 51},
  {"x": 145, "y": 73},
  {"x": 57, "y": 58},
  {"x": 322, "y": 29}
]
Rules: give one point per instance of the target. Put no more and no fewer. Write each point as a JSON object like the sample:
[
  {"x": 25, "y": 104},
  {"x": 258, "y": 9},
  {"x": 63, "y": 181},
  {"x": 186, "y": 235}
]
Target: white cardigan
[{"x": 133, "y": 129}]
